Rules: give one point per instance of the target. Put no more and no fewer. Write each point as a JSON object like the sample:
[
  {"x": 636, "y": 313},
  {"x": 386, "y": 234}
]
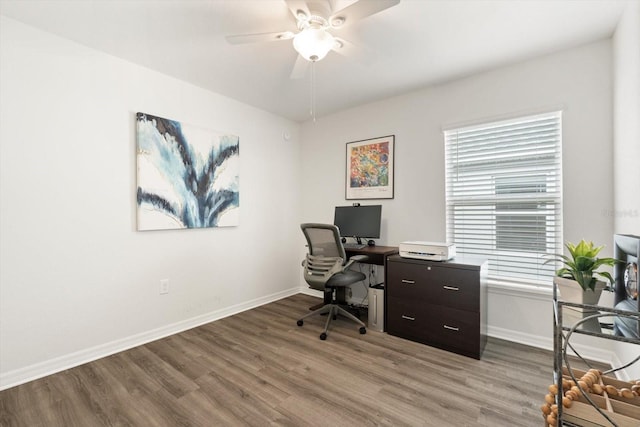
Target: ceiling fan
[{"x": 315, "y": 20}]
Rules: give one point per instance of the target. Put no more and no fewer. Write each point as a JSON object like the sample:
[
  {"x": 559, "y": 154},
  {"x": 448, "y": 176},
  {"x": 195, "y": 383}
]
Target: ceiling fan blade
[
  {"x": 299, "y": 68},
  {"x": 260, "y": 37},
  {"x": 298, "y": 5},
  {"x": 360, "y": 9},
  {"x": 361, "y": 54}
]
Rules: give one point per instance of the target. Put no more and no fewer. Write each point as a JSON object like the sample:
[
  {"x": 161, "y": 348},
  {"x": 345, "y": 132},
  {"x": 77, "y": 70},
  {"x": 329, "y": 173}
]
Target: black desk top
[
  {"x": 370, "y": 250},
  {"x": 377, "y": 254}
]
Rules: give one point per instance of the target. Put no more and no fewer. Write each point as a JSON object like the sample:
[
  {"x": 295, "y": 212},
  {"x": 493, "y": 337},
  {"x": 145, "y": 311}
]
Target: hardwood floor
[{"x": 258, "y": 368}]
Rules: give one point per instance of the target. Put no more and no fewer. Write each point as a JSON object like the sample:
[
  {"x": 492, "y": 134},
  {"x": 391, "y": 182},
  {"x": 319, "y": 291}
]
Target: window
[{"x": 504, "y": 195}]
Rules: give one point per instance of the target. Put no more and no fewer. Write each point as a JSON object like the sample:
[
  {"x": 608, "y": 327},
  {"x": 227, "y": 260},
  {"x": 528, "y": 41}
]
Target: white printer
[{"x": 432, "y": 251}]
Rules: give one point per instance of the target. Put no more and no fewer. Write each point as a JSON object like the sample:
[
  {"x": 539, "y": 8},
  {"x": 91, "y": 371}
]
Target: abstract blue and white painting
[{"x": 188, "y": 177}]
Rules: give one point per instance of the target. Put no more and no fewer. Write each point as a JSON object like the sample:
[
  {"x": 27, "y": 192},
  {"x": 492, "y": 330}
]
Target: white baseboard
[
  {"x": 312, "y": 292},
  {"x": 20, "y": 376},
  {"x": 520, "y": 337}
]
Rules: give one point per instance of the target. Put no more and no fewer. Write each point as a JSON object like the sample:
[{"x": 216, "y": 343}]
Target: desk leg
[{"x": 384, "y": 294}]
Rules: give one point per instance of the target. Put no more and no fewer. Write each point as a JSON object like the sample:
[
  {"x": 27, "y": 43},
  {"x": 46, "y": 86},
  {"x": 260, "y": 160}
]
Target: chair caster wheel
[
  {"x": 300, "y": 322},
  {"x": 323, "y": 336},
  {"x": 363, "y": 330}
]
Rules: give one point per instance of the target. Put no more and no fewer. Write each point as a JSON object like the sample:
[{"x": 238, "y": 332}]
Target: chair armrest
[{"x": 355, "y": 258}]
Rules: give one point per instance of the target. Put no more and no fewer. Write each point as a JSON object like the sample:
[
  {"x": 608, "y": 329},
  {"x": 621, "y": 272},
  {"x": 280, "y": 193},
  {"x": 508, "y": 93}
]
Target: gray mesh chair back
[
  {"x": 323, "y": 240},
  {"x": 326, "y": 255}
]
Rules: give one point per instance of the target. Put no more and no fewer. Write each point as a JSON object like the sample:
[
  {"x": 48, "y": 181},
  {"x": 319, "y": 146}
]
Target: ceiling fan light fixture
[{"x": 313, "y": 43}]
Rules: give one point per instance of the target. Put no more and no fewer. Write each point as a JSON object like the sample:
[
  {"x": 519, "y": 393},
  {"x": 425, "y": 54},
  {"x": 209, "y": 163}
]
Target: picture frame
[
  {"x": 370, "y": 168},
  {"x": 187, "y": 176}
]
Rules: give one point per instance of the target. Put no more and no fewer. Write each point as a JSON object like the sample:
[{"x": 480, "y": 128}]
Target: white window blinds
[{"x": 504, "y": 195}]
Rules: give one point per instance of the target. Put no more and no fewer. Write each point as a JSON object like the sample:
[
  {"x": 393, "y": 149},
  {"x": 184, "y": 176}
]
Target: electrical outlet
[{"x": 164, "y": 286}]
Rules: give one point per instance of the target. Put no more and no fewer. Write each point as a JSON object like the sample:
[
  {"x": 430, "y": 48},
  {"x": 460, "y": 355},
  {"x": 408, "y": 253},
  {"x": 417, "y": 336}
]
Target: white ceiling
[{"x": 416, "y": 43}]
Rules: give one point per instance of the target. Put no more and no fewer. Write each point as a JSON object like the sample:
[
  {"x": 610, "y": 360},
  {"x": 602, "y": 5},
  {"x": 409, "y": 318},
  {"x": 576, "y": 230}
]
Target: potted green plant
[{"x": 577, "y": 279}]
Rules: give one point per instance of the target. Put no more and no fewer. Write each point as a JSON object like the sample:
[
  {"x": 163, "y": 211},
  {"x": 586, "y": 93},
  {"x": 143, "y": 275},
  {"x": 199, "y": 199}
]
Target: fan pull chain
[{"x": 312, "y": 111}]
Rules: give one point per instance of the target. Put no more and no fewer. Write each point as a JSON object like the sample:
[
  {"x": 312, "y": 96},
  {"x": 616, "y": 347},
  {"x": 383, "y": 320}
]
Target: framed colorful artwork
[{"x": 369, "y": 165}]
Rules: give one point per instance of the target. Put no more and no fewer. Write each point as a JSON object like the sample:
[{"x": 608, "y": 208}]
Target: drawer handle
[
  {"x": 451, "y": 328},
  {"x": 451, "y": 288},
  {"x": 408, "y": 318},
  {"x": 410, "y": 282}
]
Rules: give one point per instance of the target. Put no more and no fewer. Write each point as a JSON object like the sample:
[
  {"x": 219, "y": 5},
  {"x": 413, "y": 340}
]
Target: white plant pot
[{"x": 571, "y": 291}]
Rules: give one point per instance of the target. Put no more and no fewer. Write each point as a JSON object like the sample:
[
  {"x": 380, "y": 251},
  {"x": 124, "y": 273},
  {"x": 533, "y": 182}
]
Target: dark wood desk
[{"x": 375, "y": 255}]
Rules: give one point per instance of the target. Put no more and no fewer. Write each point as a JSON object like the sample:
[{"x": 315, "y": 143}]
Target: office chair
[{"x": 326, "y": 269}]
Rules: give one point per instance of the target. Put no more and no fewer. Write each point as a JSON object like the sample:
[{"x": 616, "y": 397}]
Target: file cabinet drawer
[
  {"x": 459, "y": 289},
  {"x": 458, "y": 329},
  {"x": 410, "y": 281},
  {"x": 410, "y": 319}
]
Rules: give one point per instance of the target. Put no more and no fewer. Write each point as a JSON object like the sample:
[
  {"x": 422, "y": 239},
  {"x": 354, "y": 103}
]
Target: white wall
[
  {"x": 578, "y": 81},
  {"x": 626, "y": 56},
  {"x": 77, "y": 280},
  {"x": 626, "y": 78}
]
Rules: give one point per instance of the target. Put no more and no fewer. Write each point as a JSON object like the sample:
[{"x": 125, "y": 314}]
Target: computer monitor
[{"x": 358, "y": 221}]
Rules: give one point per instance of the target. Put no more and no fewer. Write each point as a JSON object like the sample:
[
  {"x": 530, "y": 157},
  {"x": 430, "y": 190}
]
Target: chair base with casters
[{"x": 332, "y": 310}]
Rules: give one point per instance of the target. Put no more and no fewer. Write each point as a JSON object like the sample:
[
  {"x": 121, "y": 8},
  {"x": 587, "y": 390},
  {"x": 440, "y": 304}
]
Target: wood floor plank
[
  {"x": 133, "y": 378},
  {"x": 106, "y": 396},
  {"x": 76, "y": 408},
  {"x": 251, "y": 381},
  {"x": 172, "y": 380},
  {"x": 183, "y": 358},
  {"x": 258, "y": 368},
  {"x": 207, "y": 410},
  {"x": 242, "y": 402}
]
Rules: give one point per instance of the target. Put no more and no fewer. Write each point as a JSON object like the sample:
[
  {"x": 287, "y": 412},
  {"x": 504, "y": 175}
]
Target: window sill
[{"x": 520, "y": 290}]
